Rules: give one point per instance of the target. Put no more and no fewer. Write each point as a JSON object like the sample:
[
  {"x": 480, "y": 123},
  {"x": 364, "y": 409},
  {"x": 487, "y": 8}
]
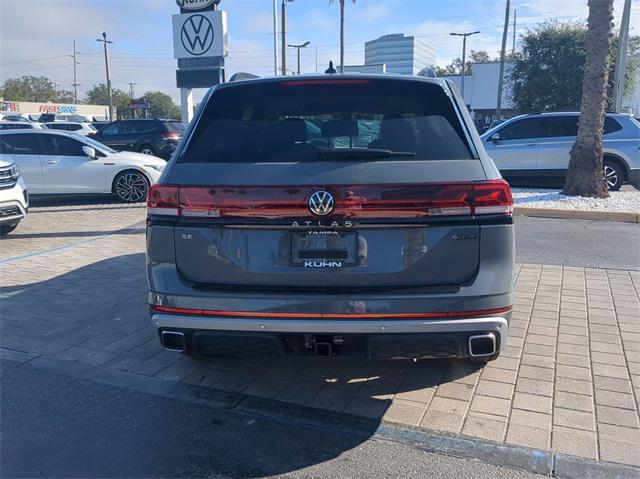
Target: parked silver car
[
  {"x": 328, "y": 215},
  {"x": 536, "y": 147}
]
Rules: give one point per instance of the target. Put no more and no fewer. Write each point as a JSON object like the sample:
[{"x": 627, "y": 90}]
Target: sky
[{"x": 36, "y": 36}]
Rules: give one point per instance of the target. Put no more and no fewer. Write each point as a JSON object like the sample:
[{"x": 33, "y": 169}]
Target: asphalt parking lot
[{"x": 74, "y": 299}]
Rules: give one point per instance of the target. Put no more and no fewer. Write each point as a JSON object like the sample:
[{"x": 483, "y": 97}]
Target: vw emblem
[
  {"x": 321, "y": 203},
  {"x": 197, "y": 34}
]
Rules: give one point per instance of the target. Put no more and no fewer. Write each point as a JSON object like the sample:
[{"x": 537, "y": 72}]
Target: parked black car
[{"x": 150, "y": 136}]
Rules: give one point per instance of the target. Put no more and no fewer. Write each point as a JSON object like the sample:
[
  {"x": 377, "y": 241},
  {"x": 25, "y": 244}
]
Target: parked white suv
[
  {"x": 56, "y": 162},
  {"x": 14, "y": 199},
  {"x": 85, "y": 129}
]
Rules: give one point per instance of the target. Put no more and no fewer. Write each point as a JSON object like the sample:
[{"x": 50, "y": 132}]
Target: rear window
[
  {"x": 176, "y": 126},
  {"x": 20, "y": 144},
  {"x": 611, "y": 125},
  {"x": 310, "y": 119}
]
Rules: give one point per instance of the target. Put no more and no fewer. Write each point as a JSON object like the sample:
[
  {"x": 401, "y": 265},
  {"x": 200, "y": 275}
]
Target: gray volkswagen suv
[{"x": 331, "y": 215}]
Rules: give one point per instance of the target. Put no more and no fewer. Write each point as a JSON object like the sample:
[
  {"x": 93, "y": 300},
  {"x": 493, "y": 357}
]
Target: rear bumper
[
  {"x": 381, "y": 339},
  {"x": 634, "y": 178}
]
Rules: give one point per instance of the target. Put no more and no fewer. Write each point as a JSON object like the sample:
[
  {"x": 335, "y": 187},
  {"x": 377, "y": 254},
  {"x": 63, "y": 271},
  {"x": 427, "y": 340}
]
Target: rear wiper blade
[{"x": 363, "y": 154}]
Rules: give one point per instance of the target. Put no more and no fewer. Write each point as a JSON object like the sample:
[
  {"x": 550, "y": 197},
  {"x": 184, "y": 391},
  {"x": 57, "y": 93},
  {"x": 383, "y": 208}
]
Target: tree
[
  {"x": 547, "y": 73},
  {"x": 342, "y": 32},
  {"x": 98, "y": 96},
  {"x": 37, "y": 89},
  {"x": 162, "y": 105},
  {"x": 584, "y": 177},
  {"x": 455, "y": 67}
]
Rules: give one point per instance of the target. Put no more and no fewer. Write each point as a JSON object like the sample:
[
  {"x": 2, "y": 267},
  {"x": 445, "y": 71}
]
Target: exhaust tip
[
  {"x": 173, "y": 340},
  {"x": 482, "y": 345}
]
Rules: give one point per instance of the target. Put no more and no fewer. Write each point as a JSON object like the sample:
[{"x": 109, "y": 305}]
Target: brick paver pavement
[{"x": 569, "y": 380}]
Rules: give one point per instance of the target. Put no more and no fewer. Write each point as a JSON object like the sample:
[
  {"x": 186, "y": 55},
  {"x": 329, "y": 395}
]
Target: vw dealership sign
[
  {"x": 202, "y": 34},
  {"x": 195, "y": 4}
]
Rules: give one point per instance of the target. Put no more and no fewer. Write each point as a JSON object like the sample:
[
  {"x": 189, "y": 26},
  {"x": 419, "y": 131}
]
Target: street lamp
[
  {"x": 298, "y": 47},
  {"x": 464, "y": 56}
]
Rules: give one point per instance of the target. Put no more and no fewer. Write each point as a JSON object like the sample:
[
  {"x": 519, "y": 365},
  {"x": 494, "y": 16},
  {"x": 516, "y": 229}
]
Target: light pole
[
  {"x": 299, "y": 47},
  {"x": 503, "y": 53},
  {"x": 621, "y": 57},
  {"x": 275, "y": 37},
  {"x": 106, "y": 63},
  {"x": 284, "y": 35},
  {"x": 464, "y": 57}
]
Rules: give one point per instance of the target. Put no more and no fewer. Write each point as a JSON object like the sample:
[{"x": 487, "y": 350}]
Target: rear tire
[
  {"x": 613, "y": 174},
  {"x": 130, "y": 186},
  {"x": 147, "y": 150},
  {"x": 483, "y": 359},
  {"x": 8, "y": 228}
]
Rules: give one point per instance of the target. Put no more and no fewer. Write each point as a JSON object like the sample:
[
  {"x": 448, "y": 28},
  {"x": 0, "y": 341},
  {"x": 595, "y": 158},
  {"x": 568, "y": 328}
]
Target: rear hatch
[{"x": 321, "y": 184}]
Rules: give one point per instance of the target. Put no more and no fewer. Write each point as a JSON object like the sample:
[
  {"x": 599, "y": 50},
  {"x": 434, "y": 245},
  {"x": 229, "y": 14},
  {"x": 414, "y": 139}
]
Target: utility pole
[
  {"x": 621, "y": 57},
  {"x": 75, "y": 77},
  {"x": 513, "y": 48},
  {"x": 275, "y": 37},
  {"x": 299, "y": 47},
  {"x": 106, "y": 64},
  {"x": 502, "y": 55},
  {"x": 284, "y": 35},
  {"x": 464, "y": 57},
  {"x": 131, "y": 89}
]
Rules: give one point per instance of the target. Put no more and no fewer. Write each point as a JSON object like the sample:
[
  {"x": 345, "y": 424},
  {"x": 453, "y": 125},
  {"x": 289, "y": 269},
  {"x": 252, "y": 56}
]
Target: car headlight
[
  {"x": 155, "y": 167},
  {"x": 14, "y": 171}
]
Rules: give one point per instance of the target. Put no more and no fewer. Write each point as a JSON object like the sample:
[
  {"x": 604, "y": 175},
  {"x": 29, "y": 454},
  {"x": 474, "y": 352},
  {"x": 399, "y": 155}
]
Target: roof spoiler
[{"x": 242, "y": 76}]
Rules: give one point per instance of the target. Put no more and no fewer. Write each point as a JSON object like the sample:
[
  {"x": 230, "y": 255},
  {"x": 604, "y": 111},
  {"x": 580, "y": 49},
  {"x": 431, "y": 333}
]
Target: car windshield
[
  {"x": 303, "y": 120},
  {"x": 101, "y": 146}
]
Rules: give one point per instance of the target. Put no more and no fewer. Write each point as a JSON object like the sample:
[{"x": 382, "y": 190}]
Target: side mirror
[
  {"x": 495, "y": 137},
  {"x": 89, "y": 151}
]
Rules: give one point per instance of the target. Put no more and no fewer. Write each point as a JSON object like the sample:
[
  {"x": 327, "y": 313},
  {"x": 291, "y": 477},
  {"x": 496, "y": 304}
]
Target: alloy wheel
[
  {"x": 131, "y": 187},
  {"x": 146, "y": 151},
  {"x": 609, "y": 176}
]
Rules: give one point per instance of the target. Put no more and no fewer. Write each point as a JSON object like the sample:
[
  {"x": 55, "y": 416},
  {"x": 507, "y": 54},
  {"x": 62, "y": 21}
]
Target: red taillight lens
[
  {"x": 170, "y": 136},
  {"x": 492, "y": 198},
  {"x": 351, "y": 202},
  {"x": 163, "y": 200}
]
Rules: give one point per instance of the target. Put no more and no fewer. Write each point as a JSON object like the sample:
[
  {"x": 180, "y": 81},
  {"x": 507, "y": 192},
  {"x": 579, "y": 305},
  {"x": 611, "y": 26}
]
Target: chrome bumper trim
[{"x": 496, "y": 324}]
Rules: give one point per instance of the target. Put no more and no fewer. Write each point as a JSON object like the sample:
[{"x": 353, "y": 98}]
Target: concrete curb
[
  {"x": 516, "y": 457},
  {"x": 620, "y": 216}
]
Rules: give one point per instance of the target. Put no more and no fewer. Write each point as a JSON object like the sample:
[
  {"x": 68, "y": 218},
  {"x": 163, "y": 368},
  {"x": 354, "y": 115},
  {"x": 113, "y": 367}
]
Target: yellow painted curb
[{"x": 621, "y": 216}]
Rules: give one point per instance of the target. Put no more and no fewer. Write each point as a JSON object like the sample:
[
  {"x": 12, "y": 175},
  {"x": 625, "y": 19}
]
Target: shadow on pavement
[
  {"x": 73, "y": 234},
  {"x": 97, "y": 315},
  {"x": 72, "y": 200}
]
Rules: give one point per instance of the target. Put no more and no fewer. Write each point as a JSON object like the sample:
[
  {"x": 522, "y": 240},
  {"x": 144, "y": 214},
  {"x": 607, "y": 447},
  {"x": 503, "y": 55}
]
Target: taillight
[
  {"x": 492, "y": 198},
  {"x": 350, "y": 202},
  {"x": 170, "y": 136},
  {"x": 162, "y": 200}
]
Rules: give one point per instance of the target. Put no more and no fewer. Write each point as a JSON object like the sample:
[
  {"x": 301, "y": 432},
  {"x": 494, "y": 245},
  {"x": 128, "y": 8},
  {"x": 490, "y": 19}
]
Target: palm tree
[
  {"x": 584, "y": 177},
  {"x": 341, "y": 32}
]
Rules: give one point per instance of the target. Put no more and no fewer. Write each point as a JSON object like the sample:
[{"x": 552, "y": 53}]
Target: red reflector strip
[
  {"x": 351, "y": 201},
  {"x": 288, "y": 315},
  {"x": 324, "y": 82}
]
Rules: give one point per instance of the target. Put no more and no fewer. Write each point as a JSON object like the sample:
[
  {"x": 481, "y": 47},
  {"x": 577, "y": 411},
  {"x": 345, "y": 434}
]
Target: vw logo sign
[
  {"x": 321, "y": 203},
  {"x": 195, "y": 4},
  {"x": 197, "y": 34}
]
